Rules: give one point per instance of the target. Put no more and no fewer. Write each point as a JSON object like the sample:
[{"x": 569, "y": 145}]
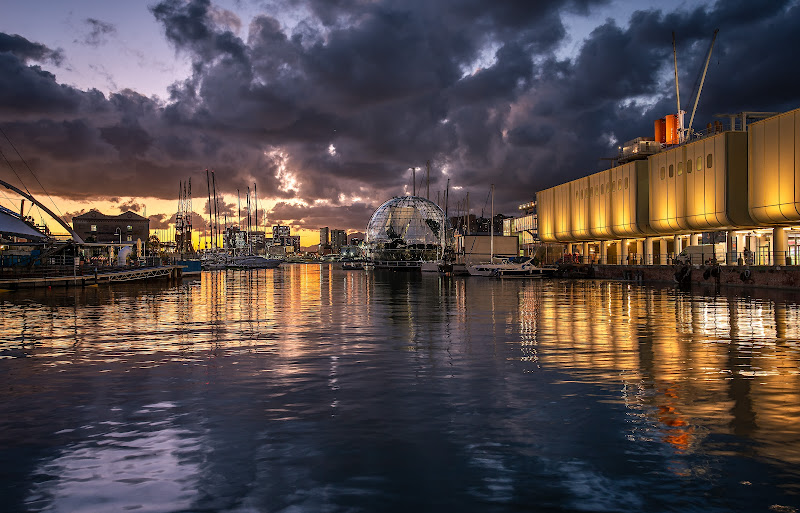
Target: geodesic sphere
[{"x": 407, "y": 221}]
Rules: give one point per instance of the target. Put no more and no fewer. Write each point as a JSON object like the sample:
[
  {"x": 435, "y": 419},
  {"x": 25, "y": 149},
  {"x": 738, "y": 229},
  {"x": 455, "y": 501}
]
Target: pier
[
  {"x": 43, "y": 279},
  {"x": 748, "y": 276}
]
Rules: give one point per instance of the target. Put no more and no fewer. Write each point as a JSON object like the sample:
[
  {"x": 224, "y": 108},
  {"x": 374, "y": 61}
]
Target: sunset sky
[{"x": 325, "y": 105}]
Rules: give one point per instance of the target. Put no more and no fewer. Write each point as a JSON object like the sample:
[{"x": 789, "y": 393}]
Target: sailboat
[
  {"x": 488, "y": 268},
  {"x": 508, "y": 266}
]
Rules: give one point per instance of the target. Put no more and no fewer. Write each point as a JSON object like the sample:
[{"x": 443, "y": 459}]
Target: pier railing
[{"x": 67, "y": 266}]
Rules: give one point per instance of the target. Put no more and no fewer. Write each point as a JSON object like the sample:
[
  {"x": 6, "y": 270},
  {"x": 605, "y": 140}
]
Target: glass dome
[{"x": 407, "y": 228}]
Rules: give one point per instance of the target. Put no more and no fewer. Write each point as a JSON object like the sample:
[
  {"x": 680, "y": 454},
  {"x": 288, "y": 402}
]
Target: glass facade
[{"x": 407, "y": 228}]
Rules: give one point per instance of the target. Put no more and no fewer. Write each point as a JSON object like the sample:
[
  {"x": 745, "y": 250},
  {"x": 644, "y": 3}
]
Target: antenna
[
  {"x": 681, "y": 112},
  {"x": 702, "y": 80}
]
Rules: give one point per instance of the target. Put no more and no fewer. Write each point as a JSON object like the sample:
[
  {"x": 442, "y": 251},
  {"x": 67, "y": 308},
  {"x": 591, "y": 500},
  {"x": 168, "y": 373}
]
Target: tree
[{"x": 153, "y": 245}]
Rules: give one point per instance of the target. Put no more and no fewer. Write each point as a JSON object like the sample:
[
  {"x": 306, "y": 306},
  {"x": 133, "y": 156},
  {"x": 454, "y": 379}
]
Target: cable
[{"x": 32, "y": 173}]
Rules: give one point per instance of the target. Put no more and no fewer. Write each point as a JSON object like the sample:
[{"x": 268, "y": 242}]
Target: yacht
[{"x": 505, "y": 266}]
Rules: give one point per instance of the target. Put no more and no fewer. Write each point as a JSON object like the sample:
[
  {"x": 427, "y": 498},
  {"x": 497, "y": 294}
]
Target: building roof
[
  {"x": 94, "y": 214},
  {"x": 13, "y": 225}
]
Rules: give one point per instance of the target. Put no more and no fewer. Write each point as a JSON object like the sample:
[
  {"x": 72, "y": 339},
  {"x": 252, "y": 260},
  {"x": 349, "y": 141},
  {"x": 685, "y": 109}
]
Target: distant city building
[
  {"x": 240, "y": 240},
  {"x": 355, "y": 241},
  {"x": 258, "y": 240},
  {"x": 338, "y": 240},
  {"x": 324, "y": 247},
  {"x": 281, "y": 236},
  {"x": 94, "y": 226}
]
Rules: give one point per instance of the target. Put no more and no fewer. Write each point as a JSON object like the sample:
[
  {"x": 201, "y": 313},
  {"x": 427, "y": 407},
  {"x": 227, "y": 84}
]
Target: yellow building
[{"x": 744, "y": 181}]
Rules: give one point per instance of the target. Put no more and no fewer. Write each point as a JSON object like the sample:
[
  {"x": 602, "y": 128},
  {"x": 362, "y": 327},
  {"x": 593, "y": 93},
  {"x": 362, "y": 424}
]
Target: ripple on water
[{"x": 311, "y": 388}]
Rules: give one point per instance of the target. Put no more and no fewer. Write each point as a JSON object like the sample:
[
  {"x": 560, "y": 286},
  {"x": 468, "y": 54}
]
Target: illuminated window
[
  {"x": 663, "y": 173},
  {"x": 680, "y": 168},
  {"x": 671, "y": 171},
  {"x": 129, "y": 238},
  {"x": 688, "y": 166},
  {"x": 93, "y": 228},
  {"x": 709, "y": 161},
  {"x": 626, "y": 182},
  {"x": 130, "y": 227},
  {"x": 699, "y": 163}
]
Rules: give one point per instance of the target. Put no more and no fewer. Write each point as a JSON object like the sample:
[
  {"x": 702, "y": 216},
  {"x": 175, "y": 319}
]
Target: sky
[{"x": 325, "y": 106}]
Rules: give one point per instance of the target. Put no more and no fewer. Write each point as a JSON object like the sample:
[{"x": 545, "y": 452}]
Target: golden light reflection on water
[
  {"x": 685, "y": 366},
  {"x": 688, "y": 364}
]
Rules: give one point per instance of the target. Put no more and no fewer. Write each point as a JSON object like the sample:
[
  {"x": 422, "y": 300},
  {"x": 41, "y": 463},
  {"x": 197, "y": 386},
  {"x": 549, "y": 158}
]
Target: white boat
[
  {"x": 505, "y": 265},
  {"x": 528, "y": 270}
]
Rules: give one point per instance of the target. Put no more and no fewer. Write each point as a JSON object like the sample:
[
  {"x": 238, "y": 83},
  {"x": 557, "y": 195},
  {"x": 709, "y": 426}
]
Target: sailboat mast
[
  {"x": 249, "y": 244},
  {"x": 447, "y": 198},
  {"x": 428, "y": 180},
  {"x": 216, "y": 207},
  {"x": 467, "y": 213},
  {"x": 491, "y": 229},
  {"x": 210, "y": 224}
]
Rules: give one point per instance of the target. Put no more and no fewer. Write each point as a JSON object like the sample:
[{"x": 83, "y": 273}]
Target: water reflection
[
  {"x": 688, "y": 365},
  {"x": 314, "y": 388}
]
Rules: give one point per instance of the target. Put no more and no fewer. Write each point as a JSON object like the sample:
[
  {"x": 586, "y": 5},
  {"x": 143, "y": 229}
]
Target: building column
[
  {"x": 623, "y": 252},
  {"x": 780, "y": 245},
  {"x": 694, "y": 239},
  {"x": 663, "y": 251},
  {"x": 648, "y": 251},
  {"x": 677, "y": 246},
  {"x": 585, "y": 253},
  {"x": 740, "y": 241},
  {"x": 730, "y": 255},
  {"x": 639, "y": 252},
  {"x": 603, "y": 252}
]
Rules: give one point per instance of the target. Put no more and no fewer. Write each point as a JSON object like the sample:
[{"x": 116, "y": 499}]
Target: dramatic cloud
[{"x": 326, "y": 105}]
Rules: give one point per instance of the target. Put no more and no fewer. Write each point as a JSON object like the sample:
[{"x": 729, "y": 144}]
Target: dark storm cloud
[
  {"x": 161, "y": 221},
  {"x": 29, "y": 91},
  {"x": 329, "y": 115},
  {"x": 131, "y": 205},
  {"x": 318, "y": 216},
  {"x": 28, "y": 51}
]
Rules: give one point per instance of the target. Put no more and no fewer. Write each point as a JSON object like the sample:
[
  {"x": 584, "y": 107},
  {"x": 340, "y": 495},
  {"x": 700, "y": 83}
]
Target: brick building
[{"x": 94, "y": 226}]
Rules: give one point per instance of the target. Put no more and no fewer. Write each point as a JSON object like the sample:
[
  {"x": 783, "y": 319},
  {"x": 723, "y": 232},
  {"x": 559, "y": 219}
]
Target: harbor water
[{"x": 312, "y": 388}]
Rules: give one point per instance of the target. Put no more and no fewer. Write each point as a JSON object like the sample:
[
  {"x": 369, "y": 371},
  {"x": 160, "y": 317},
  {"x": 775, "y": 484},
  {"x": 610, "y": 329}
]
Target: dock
[
  {"x": 171, "y": 273},
  {"x": 739, "y": 276}
]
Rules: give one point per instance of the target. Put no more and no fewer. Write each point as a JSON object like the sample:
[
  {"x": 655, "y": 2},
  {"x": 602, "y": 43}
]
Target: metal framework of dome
[{"x": 407, "y": 228}]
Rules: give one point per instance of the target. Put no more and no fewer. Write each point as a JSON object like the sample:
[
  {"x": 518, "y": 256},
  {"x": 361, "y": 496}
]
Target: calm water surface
[{"x": 310, "y": 388}]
